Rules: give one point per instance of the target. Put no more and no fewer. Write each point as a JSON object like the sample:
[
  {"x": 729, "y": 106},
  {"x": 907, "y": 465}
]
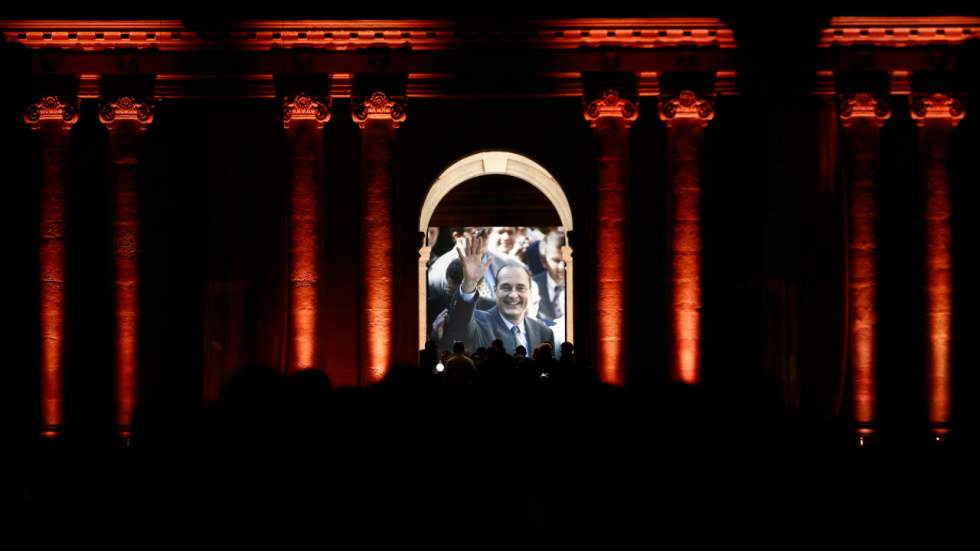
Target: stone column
[
  {"x": 686, "y": 116},
  {"x": 862, "y": 116},
  {"x": 936, "y": 115},
  {"x": 52, "y": 120},
  {"x": 378, "y": 116},
  {"x": 127, "y": 119},
  {"x": 610, "y": 117},
  {"x": 303, "y": 118}
]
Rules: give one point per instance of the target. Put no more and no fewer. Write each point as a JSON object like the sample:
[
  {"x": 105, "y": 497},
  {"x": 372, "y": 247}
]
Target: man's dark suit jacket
[
  {"x": 436, "y": 303},
  {"x": 479, "y": 328}
]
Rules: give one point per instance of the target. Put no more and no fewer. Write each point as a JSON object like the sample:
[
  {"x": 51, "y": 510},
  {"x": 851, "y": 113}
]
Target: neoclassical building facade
[{"x": 197, "y": 198}]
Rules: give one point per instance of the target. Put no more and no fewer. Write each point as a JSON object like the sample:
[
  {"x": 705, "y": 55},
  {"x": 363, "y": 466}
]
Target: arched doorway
[{"x": 490, "y": 163}]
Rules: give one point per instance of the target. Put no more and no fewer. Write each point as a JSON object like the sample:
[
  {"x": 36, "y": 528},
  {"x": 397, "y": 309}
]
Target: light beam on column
[
  {"x": 303, "y": 118},
  {"x": 685, "y": 116},
  {"x": 936, "y": 115},
  {"x": 52, "y": 120},
  {"x": 126, "y": 119},
  {"x": 610, "y": 117},
  {"x": 862, "y": 116},
  {"x": 378, "y": 117}
]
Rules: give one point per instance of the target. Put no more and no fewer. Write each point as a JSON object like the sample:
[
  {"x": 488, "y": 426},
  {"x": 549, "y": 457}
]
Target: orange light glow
[
  {"x": 936, "y": 115},
  {"x": 686, "y": 116},
  {"x": 53, "y": 119},
  {"x": 862, "y": 116},
  {"x": 610, "y": 117},
  {"x": 378, "y": 118},
  {"x": 304, "y": 118}
]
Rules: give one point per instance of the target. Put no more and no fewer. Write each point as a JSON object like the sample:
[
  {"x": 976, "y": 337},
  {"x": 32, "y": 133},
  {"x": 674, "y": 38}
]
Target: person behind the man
[
  {"x": 508, "y": 319},
  {"x": 551, "y": 280}
]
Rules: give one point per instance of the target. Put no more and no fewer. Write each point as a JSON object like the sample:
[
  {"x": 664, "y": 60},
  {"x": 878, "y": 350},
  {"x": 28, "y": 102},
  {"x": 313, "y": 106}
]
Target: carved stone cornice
[
  {"x": 611, "y": 104},
  {"x": 126, "y": 109},
  {"x": 305, "y": 108},
  {"x": 863, "y": 106},
  {"x": 51, "y": 109},
  {"x": 378, "y": 106},
  {"x": 936, "y": 108},
  {"x": 899, "y": 31},
  {"x": 544, "y": 58},
  {"x": 687, "y": 106},
  {"x": 417, "y": 34}
]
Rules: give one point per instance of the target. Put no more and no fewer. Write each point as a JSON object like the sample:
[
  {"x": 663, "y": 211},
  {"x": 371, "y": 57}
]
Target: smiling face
[
  {"x": 513, "y": 292},
  {"x": 501, "y": 239}
]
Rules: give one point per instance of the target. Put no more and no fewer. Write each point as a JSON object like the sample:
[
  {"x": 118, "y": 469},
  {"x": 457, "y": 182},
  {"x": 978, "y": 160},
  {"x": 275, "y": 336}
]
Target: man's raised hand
[{"x": 470, "y": 250}]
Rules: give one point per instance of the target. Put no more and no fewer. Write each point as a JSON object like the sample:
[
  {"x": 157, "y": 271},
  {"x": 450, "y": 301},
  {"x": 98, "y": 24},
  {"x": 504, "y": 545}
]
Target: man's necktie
[
  {"x": 518, "y": 338},
  {"x": 557, "y": 303}
]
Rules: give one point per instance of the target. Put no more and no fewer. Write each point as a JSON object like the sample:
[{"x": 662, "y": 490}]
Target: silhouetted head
[
  {"x": 567, "y": 349},
  {"x": 545, "y": 351}
]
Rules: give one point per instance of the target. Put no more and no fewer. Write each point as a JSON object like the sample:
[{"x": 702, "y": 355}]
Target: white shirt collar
[{"x": 509, "y": 325}]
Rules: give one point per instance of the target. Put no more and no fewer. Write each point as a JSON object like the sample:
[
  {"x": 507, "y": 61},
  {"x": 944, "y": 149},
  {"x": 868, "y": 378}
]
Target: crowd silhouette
[{"x": 481, "y": 443}]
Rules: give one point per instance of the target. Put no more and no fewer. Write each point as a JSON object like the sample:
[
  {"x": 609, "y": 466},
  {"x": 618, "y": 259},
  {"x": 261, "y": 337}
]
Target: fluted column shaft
[
  {"x": 862, "y": 116},
  {"x": 610, "y": 117},
  {"x": 52, "y": 120},
  {"x": 303, "y": 119},
  {"x": 685, "y": 116},
  {"x": 936, "y": 115},
  {"x": 378, "y": 117},
  {"x": 126, "y": 119}
]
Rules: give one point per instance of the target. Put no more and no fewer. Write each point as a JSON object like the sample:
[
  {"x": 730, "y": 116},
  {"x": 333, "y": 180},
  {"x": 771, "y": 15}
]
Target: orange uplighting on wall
[
  {"x": 862, "y": 116},
  {"x": 378, "y": 117},
  {"x": 936, "y": 115},
  {"x": 303, "y": 118},
  {"x": 610, "y": 116},
  {"x": 685, "y": 116},
  {"x": 52, "y": 119}
]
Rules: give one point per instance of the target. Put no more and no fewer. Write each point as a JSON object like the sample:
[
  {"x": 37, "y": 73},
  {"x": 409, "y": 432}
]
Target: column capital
[
  {"x": 378, "y": 106},
  {"x": 51, "y": 109},
  {"x": 686, "y": 106},
  {"x": 126, "y": 108},
  {"x": 611, "y": 104},
  {"x": 863, "y": 106},
  {"x": 936, "y": 107},
  {"x": 303, "y": 107}
]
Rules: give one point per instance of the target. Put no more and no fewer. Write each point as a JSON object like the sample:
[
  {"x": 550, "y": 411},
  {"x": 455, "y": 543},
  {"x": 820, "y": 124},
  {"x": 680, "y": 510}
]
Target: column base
[
  {"x": 51, "y": 437},
  {"x": 939, "y": 434},
  {"x": 124, "y": 437},
  {"x": 865, "y": 436},
  {"x": 51, "y": 432}
]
